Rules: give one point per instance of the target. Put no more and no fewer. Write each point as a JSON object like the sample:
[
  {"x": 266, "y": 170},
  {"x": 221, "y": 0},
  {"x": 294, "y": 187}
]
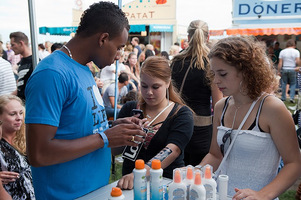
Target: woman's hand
[
  {"x": 7, "y": 176},
  {"x": 248, "y": 194},
  {"x": 126, "y": 182}
]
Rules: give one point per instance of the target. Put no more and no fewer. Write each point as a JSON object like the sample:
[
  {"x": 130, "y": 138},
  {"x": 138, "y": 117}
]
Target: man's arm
[{"x": 43, "y": 149}]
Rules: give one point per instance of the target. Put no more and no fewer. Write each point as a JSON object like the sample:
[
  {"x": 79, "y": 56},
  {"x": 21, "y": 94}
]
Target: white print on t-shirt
[{"x": 97, "y": 95}]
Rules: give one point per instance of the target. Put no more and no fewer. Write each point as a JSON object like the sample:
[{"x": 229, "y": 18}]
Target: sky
[{"x": 14, "y": 15}]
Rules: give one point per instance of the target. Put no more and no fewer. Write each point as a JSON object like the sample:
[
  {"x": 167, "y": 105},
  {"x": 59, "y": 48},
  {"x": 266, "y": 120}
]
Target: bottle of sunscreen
[
  {"x": 209, "y": 183},
  {"x": 189, "y": 178},
  {"x": 223, "y": 186},
  {"x": 177, "y": 190},
  {"x": 156, "y": 181},
  {"x": 197, "y": 190},
  {"x": 140, "y": 181},
  {"x": 116, "y": 194}
]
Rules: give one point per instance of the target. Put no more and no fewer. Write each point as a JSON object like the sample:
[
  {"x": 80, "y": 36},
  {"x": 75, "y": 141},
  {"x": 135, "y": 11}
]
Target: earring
[
  {"x": 241, "y": 89},
  {"x": 167, "y": 94}
]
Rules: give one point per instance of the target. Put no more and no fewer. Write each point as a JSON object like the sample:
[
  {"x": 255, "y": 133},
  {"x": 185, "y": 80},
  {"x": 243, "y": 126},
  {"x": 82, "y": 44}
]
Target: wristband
[
  {"x": 104, "y": 138},
  {"x": 110, "y": 123}
]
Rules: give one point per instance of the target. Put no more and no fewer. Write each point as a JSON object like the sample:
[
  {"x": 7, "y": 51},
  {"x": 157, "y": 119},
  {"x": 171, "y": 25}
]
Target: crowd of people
[{"x": 203, "y": 104}]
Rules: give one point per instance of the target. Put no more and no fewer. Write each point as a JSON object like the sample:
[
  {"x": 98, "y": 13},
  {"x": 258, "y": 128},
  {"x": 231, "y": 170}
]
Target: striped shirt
[{"x": 7, "y": 79}]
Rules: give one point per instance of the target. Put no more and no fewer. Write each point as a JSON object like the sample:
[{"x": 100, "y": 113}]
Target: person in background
[
  {"x": 48, "y": 45},
  {"x": 169, "y": 121},
  {"x": 277, "y": 51},
  {"x": 55, "y": 46},
  {"x": 11, "y": 57},
  {"x": 109, "y": 94},
  {"x": 3, "y": 53},
  {"x": 165, "y": 55},
  {"x": 42, "y": 52},
  {"x": 287, "y": 67},
  {"x": 185, "y": 44},
  {"x": 251, "y": 127},
  {"x": 68, "y": 135},
  {"x": 20, "y": 45},
  {"x": 173, "y": 51},
  {"x": 133, "y": 70},
  {"x": 7, "y": 79},
  {"x": 15, "y": 171},
  {"x": 137, "y": 50},
  {"x": 3, "y": 194},
  {"x": 149, "y": 53},
  {"x": 196, "y": 89}
]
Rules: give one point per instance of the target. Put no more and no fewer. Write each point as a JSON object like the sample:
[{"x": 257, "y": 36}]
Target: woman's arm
[
  {"x": 3, "y": 194},
  {"x": 214, "y": 157},
  {"x": 274, "y": 115}
]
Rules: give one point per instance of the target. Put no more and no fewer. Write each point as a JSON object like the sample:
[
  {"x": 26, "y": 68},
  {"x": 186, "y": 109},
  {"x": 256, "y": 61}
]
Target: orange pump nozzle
[
  {"x": 189, "y": 172},
  {"x": 197, "y": 178},
  {"x": 177, "y": 176},
  {"x": 116, "y": 192},
  {"x": 208, "y": 172},
  {"x": 139, "y": 164},
  {"x": 156, "y": 164}
]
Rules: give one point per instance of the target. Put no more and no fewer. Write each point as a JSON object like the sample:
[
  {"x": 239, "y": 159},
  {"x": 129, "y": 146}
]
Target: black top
[
  {"x": 24, "y": 72},
  {"x": 196, "y": 91},
  {"x": 176, "y": 129}
]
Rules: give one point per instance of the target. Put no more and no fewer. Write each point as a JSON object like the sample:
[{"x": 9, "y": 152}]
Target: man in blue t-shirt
[{"x": 68, "y": 136}]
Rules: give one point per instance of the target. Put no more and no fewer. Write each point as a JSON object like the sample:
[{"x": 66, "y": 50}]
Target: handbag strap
[
  {"x": 182, "y": 85},
  {"x": 235, "y": 136}
]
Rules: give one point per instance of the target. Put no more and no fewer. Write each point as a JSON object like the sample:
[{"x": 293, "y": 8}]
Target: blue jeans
[
  {"x": 288, "y": 76},
  {"x": 110, "y": 111}
]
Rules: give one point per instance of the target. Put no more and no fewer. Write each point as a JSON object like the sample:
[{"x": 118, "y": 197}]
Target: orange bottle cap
[
  {"x": 139, "y": 164},
  {"x": 116, "y": 192},
  {"x": 208, "y": 172},
  {"x": 197, "y": 178},
  {"x": 177, "y": 176},
  {"x": 156, "y": 164},
  {"x": 189, "y": 172}
]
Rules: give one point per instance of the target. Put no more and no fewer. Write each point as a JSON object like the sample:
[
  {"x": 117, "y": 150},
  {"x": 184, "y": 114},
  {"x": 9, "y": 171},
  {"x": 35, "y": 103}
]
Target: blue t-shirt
[{"x": 63, "y": 93}]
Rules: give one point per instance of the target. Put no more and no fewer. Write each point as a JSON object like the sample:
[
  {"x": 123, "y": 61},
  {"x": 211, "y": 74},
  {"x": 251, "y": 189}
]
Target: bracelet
[
  {"x": 104, "y": 138},
  {"x": 110, "y": 123}
]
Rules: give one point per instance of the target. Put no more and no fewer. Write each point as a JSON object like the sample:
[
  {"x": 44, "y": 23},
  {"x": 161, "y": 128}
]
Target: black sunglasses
[{"x": 226, "y": 141}]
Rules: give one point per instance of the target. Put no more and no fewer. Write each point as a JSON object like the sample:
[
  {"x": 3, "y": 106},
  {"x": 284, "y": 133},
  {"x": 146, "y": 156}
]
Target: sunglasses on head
[{"x": 226, "y": 141}]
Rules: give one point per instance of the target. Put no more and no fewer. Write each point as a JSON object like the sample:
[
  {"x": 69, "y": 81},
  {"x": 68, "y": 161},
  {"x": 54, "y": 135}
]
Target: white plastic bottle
[
  {"x": 197, "y": 190},
  {"x": 116, "y": 194},
  {"x": 189, "y": 178},
  {"x": 156, "y": 181},
  {"x": 223, "y": 186},
  {"x": 209, "y": 183},
  {"x": 177, "y": 190},
  {"x": 140, "y": 187}
]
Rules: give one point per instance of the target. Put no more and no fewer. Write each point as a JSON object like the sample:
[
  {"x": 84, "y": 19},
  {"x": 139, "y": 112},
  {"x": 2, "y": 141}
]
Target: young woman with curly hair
[
  {"x": 15, "y": 172},
  {"x": 251, "y": 128}
]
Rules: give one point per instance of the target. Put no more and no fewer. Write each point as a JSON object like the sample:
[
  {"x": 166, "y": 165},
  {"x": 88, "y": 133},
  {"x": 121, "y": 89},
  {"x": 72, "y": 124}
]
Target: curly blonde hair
[
  {"x": 249, "y": 57},
  {"x": 19, "y": 141}
]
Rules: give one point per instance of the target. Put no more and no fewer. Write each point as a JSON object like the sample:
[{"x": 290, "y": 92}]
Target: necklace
[
  {"x": 234, "y": 116},
  {"x": 69, "y": 52}
]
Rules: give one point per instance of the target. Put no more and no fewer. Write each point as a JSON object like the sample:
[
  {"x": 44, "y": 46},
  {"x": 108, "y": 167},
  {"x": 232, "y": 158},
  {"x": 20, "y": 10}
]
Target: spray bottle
[
  {"x": 116, "y": 194},
  {"x": 189, "y": 178},
  {"x": 156, "y": 181},
  {"x": 209, "y": 183},
  {"x": 140, "y": 186},
  {"x": 197, "y": 190},
  {"x": 177, "y": 189}
]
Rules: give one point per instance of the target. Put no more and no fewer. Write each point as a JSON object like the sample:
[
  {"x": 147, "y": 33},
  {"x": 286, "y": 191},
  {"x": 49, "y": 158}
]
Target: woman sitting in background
[
  {"x": 169, "y": 121},
  {"x": 15, "y": 171}
]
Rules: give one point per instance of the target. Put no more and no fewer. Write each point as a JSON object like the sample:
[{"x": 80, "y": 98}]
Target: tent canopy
[{"x": 58, "y": 30}]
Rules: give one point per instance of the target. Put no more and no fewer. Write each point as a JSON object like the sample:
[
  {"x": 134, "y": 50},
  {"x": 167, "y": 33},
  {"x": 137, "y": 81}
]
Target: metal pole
[
  {"x": 33, "y": 32},
  {"x": 116, "y": 90}
]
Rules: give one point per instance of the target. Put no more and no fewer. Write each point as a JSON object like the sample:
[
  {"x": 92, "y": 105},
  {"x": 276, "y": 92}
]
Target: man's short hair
[
  {"x": 290, "y": 43},
  {"x": 102, "y": 17},
  {"x": 123, "y": 77},
  {"x": 55, "y": 46},
  {"x": 19, "y": 36},
  {"x": 136, "y": 39}
]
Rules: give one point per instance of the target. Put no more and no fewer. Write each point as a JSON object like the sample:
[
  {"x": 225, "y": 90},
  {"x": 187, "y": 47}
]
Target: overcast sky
[{"x": 14, "y": 15}]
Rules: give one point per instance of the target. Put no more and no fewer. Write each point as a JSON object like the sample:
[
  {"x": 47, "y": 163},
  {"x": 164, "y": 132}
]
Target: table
[{"x": 103, "y": 193}]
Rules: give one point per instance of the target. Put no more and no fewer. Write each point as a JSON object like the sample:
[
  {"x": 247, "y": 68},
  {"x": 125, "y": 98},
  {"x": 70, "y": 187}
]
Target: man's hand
[
  {"x": 129, "y": 120},
  {"x": 126, "y": 134}
]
